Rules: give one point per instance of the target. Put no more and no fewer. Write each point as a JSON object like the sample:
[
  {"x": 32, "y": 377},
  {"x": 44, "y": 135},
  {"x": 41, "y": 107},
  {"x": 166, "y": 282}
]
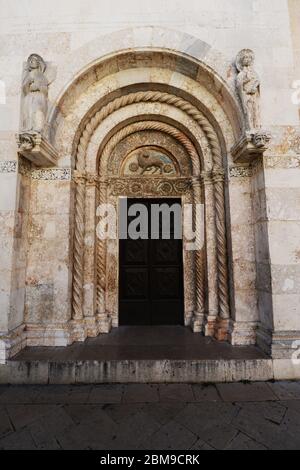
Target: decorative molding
[
  {"x": 8, "y": 166},
  {"x": 240, "y": 172},
  {"x": 37, "y": 149},
  {"x": 51, "y": 174}
]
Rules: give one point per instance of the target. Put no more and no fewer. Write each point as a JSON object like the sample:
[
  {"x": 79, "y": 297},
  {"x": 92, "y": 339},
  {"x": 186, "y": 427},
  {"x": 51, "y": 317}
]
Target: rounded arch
[
  {"x": 129, "y": 78},
  {"x": 171, "y": 51}
]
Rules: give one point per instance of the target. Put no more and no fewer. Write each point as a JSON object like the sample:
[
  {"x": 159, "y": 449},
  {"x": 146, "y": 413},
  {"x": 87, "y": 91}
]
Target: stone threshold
[
  {"x": 145, "y": 355},
  {"x": 136, "y": 371}
]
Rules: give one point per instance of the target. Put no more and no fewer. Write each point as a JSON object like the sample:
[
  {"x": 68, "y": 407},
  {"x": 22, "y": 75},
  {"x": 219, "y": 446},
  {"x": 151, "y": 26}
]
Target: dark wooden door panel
[{"x": 151, "y": 276}]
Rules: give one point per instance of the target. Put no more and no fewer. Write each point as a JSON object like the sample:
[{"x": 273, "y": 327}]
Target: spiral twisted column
[
  {"x": 211, "y": 255},
  {"x": 198, "y": 316},
  {"x": 79, "y": 179},
  {"x": 101, "y": 252},
  {"x": 224, "y": 312}
]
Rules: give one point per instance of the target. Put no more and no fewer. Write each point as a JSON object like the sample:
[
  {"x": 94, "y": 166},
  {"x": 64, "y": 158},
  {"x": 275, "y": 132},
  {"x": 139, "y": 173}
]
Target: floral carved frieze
[
  {"x": 53, "y": 174},
  {"x": 8, "y": 166},
  {"x": 148, "y": 187},
  {"x": 240, "y": 171}
]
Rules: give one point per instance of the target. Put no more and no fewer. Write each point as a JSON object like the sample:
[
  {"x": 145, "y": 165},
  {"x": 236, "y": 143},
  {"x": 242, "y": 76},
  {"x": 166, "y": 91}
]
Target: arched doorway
[
  {"x": 200, "y": 179},
  {"x": 159, "y": 99}
]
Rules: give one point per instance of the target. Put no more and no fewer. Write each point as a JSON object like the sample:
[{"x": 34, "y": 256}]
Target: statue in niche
[
  {"x": 248, "y": 86},
  {"x": 35, "y": 91}
]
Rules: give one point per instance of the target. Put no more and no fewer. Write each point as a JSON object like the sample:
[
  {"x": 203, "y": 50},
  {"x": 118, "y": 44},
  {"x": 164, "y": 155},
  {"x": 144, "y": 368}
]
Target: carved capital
[
  {"x": 92, "y": 179},
  {"x": 196, "y": 182},
  {"x": 251, "y": 146},
  {"x": 37, "y": 149},
  {"x": 218, "y": 175},
  {"x": 206, "y": 178},
  {"x": 79, "y": 177}
]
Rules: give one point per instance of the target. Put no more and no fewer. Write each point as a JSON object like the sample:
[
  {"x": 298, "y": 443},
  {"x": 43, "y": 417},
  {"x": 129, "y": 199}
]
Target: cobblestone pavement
[{"x": 139, "y": 416}]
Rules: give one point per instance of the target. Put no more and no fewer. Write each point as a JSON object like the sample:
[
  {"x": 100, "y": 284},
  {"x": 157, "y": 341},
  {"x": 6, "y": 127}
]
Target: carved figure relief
[
  {"x": 248, "y": 86},
  {"x": 148, "y": 161},
  {"x": 35, "y": 92}
]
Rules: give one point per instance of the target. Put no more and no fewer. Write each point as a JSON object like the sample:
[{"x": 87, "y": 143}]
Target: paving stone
[
  {"x": 106, "y": 394},
  {"x": 291, "y": 426},
  {"x": 43, "y": 437},
  {"x": 203, "y": 392},
  {"x": 5, "y": 424},
  {"x": 3, "y": 388},
  {"x": 218, "y": 436},
  {"x": 121, "y": 412},
  {"x": 164, "y": 412},
  {"x": 273, "y": 436},
  {"x": 55, "y": 422},
  {"x": 254, "y": 391},
  {"x": 63, "y": 394},
  {"x": 286, "y": 390},
  {"x": 98, "y": 436},
  {"x": 201, "y": 445},
  {"x": 21, "y": 440},
  {"x": 243, "y": 442},
  {"x": 19, "y": 394},
  {"x": 200, "y": 416},
  {"x": 205, "y": 424},
  {"x": 80, "y": 413},
  {"x": 140, "y": 393},
  {"x": 134, "y": 431},
  {"x": 22, "y": 415},
  {"x": 176, "y": 392},
  {"x": 271, "y": 411},
  {"x": 291, "y": 405},
  {"x": 171, "y": 436}
]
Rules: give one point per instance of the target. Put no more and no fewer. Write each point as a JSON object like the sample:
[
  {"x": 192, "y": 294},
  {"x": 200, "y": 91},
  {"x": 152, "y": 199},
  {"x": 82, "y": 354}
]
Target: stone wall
[{"x": 263, "y": 218}]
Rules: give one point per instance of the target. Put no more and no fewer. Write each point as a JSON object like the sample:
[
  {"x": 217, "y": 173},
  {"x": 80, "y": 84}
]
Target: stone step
[{"x": 135, "y": 371}]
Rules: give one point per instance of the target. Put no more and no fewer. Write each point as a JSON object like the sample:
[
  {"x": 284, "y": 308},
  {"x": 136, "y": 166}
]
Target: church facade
[{"x": 198, "y": 104}]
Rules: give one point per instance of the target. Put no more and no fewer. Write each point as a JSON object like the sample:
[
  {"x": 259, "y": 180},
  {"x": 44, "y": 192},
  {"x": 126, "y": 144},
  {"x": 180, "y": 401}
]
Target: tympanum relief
[
  {"x": 32, "y": 140},
  {"x": 149, "y": 161}
]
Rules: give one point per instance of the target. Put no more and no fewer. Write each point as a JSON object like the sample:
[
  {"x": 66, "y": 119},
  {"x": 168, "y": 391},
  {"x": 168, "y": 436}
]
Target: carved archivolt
[
  {"x": 217, "y": 176},
  {"x": 148, "y": 125}
]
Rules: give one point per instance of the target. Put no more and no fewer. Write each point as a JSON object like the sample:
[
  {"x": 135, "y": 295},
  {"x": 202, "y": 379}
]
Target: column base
[
  {"x": 210, "y": 325},
  {"x": 221, "y": 332},
  {"x": 242, "y": 333},
  {"x": 11, "y": 343},
  {"x": 197, "y": 322},
  {"x": 104, "y": 323}
]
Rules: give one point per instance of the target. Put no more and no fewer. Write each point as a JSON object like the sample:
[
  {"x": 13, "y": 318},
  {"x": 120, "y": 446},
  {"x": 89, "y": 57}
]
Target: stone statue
[
  {"x": 35, "y": 90},
  {"x": 248, "y": 86}
]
